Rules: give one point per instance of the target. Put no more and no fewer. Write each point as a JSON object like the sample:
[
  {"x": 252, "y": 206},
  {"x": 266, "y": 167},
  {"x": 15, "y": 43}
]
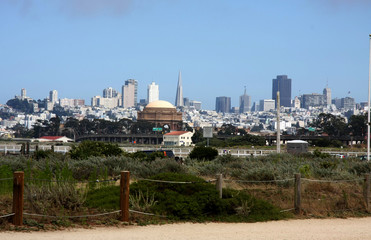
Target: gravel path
[{"x": 316, "y": 229}]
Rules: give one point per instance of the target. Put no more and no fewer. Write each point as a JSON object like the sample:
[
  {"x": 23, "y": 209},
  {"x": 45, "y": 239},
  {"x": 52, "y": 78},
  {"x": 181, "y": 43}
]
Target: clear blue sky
[{"x": 80, "y": 47}]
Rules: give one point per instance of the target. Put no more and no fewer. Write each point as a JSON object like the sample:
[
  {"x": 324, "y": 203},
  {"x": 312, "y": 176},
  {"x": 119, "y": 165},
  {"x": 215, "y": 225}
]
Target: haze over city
[{"x": 80, "y": 47}]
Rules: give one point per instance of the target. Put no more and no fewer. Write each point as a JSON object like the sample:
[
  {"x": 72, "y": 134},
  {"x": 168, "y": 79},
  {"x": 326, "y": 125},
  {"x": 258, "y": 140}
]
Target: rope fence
[
  {"x": 147, "y": 214},
  {"x": 80, "y": 216},
  {"x": 256, "y": 181},
  {"x": 19, "y": 187},
  {"x": 7, "y": 215},
  {"x": 70, "y": 181},
  {"x": 5, "y": 179},
  {"x": 172, "y": 182}
]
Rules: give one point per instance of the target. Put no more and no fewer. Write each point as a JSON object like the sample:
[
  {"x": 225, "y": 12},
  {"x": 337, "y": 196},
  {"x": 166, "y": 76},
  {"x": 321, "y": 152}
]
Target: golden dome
[{"x": 160, "y": 104}]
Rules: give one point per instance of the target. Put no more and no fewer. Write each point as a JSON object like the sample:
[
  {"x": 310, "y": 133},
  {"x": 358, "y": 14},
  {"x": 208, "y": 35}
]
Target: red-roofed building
[
  {"x": 178, "y": 138},
  {"x": 55, "y": 139}
]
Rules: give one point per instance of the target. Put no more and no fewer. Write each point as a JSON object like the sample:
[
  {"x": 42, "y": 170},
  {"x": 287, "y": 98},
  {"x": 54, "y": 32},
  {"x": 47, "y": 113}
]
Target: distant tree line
[{"x": 336, "y": 126}]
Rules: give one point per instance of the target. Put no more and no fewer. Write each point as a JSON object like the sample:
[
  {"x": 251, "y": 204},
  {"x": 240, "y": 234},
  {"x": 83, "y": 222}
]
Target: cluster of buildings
[
  {"x": 282, "y": 84},
  {"x": 258, "y": 116}
]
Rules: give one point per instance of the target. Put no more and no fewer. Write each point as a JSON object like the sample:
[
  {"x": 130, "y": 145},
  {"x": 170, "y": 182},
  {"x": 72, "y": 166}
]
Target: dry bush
[{"x": 49, "y": 198}]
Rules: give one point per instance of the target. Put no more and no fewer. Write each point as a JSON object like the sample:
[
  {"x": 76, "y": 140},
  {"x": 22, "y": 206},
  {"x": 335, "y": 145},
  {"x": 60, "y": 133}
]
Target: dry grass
[{"x": 318, "y": 199}]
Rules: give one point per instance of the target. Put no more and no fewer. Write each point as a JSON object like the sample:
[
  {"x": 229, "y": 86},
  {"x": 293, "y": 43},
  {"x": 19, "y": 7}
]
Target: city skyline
[
  {"x": 111, "y": 98},
  {"x": 219, "y": 47}
]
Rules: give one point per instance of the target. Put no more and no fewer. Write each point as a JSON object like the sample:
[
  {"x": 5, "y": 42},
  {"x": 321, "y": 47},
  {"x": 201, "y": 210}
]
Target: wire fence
[{"x": 318, "y": 196}]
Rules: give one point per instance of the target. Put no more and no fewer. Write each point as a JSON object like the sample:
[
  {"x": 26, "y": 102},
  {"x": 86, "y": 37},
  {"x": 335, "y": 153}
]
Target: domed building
[{"x": 163, "y": 114}]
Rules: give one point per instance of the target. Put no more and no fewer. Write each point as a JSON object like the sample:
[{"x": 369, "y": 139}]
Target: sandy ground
[{"x": 318, "y": 229}]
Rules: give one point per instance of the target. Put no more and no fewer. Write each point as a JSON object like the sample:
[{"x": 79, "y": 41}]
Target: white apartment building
[
  {"x": 153, "y": 93},
  {"x": 98, "y": 101},
  {"x": 267, "y": 104},
  {"x": 178, "y": 138},
  {"x": 53, "y": 96}
]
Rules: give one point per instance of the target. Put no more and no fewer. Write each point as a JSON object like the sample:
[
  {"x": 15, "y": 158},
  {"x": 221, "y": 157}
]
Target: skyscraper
[
  {"x": 223, "y": 104},
  {"x": 282, "y": 84},
  {"x": 129, "y": 93},
  {"x": 53, "y": 96},
  {"x": 327, "y": 95},
  {"x": 152, "y": 93},
  {"x": 179, "y": 92},
  {"x": 245, "y": 101},
  {"x": 110, "y": 93}
]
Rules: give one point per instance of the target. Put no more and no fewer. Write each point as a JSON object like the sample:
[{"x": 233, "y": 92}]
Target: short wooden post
[
  {"x": 18, "y": 189},
  {"x": 219, "y": 184},
  {"x": 297, "y": 198},
  {"x": 366, "y": 191},
  {"x": 23, "y": 149},
  {"x": 124, "y": 195}
]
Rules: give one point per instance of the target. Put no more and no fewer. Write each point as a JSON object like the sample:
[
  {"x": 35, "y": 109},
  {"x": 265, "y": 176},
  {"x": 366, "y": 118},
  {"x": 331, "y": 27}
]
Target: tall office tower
[
  {"x": 129, "y": 93},
  {"x": 153, "y": 93},
  {"x": 23, "y": 93},
  {"x": 327, "y": 96},
  {"x": 186, "y": 102},
  {"x": 53, "y": 96},
  {"x": 223, "y": 104},
  {"x": 109, "y": 93},
  {"x": 282, "y": 84},
  {"x": 179, "y": 92},
  {"x": 245, "y": 101}
]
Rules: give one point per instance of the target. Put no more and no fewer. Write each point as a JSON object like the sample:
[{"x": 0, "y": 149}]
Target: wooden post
[
  {"x": 366, "y": 191},
  {"x": 18, "y": 189},
  {"x": 219, "y": 184},
  {"x": 297, "y": 198},
  {"x": 23, "y": 149},
  {"x": 124, "y": 195}
]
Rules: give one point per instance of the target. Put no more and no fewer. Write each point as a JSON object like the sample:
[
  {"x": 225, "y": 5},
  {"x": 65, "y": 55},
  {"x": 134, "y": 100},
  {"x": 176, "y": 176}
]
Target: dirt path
[{"x": 316, "y": 229}]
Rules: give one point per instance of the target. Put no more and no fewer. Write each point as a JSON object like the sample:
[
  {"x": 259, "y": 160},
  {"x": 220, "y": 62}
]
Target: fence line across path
[{"x": 18, "y": 194}]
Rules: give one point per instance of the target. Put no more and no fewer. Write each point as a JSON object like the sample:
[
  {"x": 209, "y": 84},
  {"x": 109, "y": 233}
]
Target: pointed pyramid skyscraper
[{"x": 179, "y": 92}]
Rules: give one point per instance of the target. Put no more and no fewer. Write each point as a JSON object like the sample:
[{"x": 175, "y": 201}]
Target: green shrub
[
  {"x": 180, "y": 201},
  {"x": 107, "y": 198},
  {"x": 6, "y": 186},
  {"x": 89, "y": 148},
  {"x": 203, "y": 153}
]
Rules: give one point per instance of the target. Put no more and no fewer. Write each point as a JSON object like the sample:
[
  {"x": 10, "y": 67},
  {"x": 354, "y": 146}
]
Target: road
[{"x": 309, "y": 229}]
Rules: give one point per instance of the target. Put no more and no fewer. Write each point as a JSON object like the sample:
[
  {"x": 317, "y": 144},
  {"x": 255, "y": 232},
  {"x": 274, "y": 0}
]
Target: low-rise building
[{"x": 178, "y": 138}]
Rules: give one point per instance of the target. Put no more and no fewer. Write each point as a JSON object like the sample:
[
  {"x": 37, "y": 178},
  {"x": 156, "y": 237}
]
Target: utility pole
[
  {"x": 368, "y": 111},
  {"x": 278, "y": 123}
]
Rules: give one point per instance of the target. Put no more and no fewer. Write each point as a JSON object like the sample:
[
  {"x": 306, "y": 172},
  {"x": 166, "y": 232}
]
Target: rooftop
[
  {"x": 160, "y": 104},
  {"x": 176, "y": 133}
]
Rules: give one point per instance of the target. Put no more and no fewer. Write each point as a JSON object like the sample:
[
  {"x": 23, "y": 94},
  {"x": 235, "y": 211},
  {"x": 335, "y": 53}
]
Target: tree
[
  {"x": 200, "y": 153},
  {"x": 257, "y": 128},
  {"x": 87, "y": 149},
  {"x": 227, "y": 129},
  {"x": 142, "y": 127},
  {"x": 331, "y": 124},
  {"x": 197, "y": 136},
  {"x": 358, "y": 125},
  {"x": 20, "y": 105}
]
